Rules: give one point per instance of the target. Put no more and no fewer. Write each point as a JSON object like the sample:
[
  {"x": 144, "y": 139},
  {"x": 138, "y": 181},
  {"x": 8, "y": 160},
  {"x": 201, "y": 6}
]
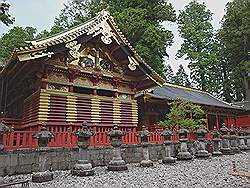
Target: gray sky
[{"x": 41, "y": 13}]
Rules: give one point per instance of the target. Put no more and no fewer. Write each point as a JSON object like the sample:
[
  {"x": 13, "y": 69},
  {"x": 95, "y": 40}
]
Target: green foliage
[
  {"x": 180, "y": 112},
  {"x": 169, "y": 74},
  {"x": 199, "y": 47},
  {"x": 15, "y": 38},
  {"x": 181, "y": 77},
  {"x": 5, "y": 17},
  {"x": 140, "y": 21},
  {"x": 234, "y": 38}
]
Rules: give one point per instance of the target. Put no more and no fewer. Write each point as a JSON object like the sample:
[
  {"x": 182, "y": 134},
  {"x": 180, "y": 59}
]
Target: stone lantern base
[
  {"x": 184, "y": 156},
  {"x": 202, "y": 154},
  {"x": 40, "y": 177},
  {"x": 117, "y": 165},
  {"x": 217, "y": 153},
  {"x": 82, "y": 168},
  {"x": 235, "y": 149},
  {"x": 146, "y": 163},
  {"x": 227, "y": 151},
  {"x": 166, "y": 160}
]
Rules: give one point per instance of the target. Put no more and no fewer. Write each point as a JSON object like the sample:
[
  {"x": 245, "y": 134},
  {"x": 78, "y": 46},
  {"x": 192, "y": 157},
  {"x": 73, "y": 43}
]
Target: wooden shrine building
[
  {"x": 153, "y": 105},
  {"x": 88, "y": 73}
]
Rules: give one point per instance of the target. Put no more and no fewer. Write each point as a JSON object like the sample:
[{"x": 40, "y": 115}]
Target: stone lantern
[
  {"x": 168, "y": 143},
  {"x": 144, "y": 133},
  {"x": 234, "y": 140},
  {"x": 43, "y": 139},
  {"x": 225, "y": 143},
  {"x": 183, "y": 153},
  {"x": 216, "y": 142},
  {"x": 83, "y": 167},
  {"x": 3, "y": 130},
  {"x": 200, "y": 143},
  {"x": 242, "y": 144},
  {"x": 117, "y": 163},
  {"x": 248, "y": 139}
]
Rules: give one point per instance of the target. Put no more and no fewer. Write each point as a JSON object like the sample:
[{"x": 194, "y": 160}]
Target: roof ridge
[
  {"x": 101, "y": 16},
  {"x": 184, "y": 87}
]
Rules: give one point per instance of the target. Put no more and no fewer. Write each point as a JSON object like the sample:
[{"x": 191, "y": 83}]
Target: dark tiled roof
[
  {"x": 174, "y": 92},
  {"x": 244, "y": 104}
]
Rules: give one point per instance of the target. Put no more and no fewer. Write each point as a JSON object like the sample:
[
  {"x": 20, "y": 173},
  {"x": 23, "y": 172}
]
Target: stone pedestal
[
  {"x": 117, "y": 163},
  {"x": 225, "y": 142},
  {"x": 146, "y": 162},
  {"x": 168, "y": 148},
  {"x": 183, "y": 153},
  {"x": 200, "y": 144},
  {"x": 216, "y": 147},
  {"x": 167, "y": 144},
  {"x": 234, "y": 140},
  {"x": 43, "y": 137},
  {"x": 144, "y": 133},
  {"x": 40, "y": 177},
  {"x": 248, "y": 139},
  {"x": 83, "y": 166},
  {"x": 242, "y": 144},
  {"x": 201, "y": 151}
]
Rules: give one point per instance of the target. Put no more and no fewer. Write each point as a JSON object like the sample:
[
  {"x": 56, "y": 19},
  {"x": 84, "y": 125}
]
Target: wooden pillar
[
  {"x": 235, "y": 121},
  {"x": 134, "y": 113},
  {"x": 217, "y": 121},
  {"x": 116, "y": 112},
  {"x": 71, "y": 114},
  {"x": 43, "y": 110},
  {"x": 206, "y": 121},
  {"x": 95, "y": 110}
]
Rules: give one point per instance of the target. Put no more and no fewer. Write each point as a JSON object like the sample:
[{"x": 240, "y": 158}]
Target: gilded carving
[
  {"x": 57, "y": 87},
  {"x": 80, "y": 81},
  {"x": 58, "y": 77},
  {"x": 132, "y": 63}
]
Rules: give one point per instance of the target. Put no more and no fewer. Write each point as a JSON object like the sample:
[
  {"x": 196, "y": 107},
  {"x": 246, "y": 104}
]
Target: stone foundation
[{"x": 27, "y": 161}]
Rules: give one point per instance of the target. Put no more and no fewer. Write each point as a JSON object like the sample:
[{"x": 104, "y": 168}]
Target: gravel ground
[{"x": 214, "y": 172}]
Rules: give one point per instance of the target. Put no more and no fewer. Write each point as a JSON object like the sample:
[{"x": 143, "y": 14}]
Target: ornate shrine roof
[
  {"x": 174, "y": 92},
  {"x": 102, "y": 24}
]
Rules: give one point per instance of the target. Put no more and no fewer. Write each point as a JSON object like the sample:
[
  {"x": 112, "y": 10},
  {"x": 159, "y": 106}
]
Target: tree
[
  {"x": 181, "y": 77},
  {"x": 199, "y": 45},
  {"x": 180, "y": 114},
  {"x": 140, "y": 21},
  {"x": 234, "y": 37},
  {"x": 169, "y": 74},
  {"x": 15, "y": 38},
  {"x": 5, "y": 17}
]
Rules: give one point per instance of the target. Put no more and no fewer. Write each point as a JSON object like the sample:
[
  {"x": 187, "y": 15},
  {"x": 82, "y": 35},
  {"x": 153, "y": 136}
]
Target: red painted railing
[{"x": 23, "y": 139}]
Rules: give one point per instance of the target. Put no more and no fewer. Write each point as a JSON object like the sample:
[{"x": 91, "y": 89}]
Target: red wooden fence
[{"x": 65, "y": 139}]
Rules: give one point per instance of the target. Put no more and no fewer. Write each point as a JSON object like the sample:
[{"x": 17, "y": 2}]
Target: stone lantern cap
[
  {"x": 201, "y": 130},
  {"x": 4, "y": 128},
  {"x": 224, "y": 129},
  {"x": 115, "y": 132},
  {"x": 183, "y": 131},
  {"x": 241, "y": 132},
  {"x": 167, "y": 132},
  {"x": 143, "y": 133},
  {"x": 233, "y": 130},
  {"x": 84, "y": 131},
  {"x": 216, "y": 133},
  {"x": 43, "y": 134}
]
